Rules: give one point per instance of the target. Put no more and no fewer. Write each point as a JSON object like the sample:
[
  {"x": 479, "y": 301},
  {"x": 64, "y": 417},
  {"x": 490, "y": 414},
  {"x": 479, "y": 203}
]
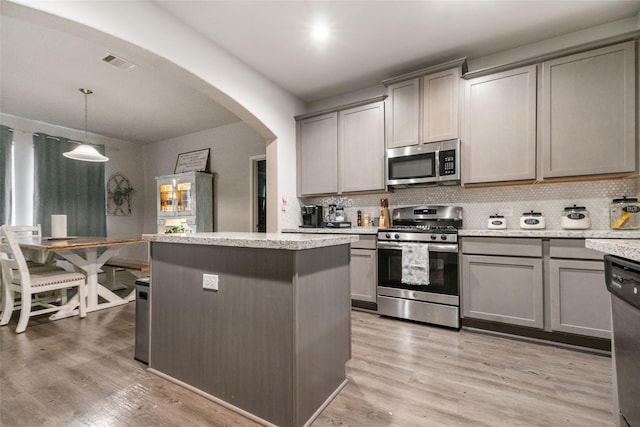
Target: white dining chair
[
  {"x": 33, "y": 257},
  {"x": 18, "y": 278}
]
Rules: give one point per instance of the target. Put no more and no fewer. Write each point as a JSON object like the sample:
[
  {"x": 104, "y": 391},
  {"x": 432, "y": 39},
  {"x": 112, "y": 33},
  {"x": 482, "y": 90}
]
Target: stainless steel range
[{"x": 418, "y": 265}]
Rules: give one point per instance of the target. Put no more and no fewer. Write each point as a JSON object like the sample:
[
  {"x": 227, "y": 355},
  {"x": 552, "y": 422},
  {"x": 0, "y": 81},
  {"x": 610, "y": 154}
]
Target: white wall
[
  {"x": 231, "y": 148},
  {"x": 190, "y": 56},
  {"x": 124, "y": 157}
]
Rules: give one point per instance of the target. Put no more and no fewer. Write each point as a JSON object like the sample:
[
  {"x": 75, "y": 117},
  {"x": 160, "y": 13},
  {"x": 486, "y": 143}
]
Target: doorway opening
[{"x": 259, "y": 194}]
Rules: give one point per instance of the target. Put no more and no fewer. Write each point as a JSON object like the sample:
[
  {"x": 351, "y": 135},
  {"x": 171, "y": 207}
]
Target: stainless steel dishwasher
[{"x": 623, "y": 281}]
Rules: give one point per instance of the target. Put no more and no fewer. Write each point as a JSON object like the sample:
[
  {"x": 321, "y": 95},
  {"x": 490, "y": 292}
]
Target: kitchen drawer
[
  {"x": 572, "y": 248},
  {"x": 506, "y": 246},
  {"x": 366, "y": 242}
]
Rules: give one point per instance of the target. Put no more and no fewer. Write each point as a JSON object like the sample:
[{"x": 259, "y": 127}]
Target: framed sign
[{"x": 191, "y": 161}]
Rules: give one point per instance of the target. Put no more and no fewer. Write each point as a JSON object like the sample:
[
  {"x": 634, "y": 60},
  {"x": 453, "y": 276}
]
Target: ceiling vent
[{"x": 118, "y": 62}]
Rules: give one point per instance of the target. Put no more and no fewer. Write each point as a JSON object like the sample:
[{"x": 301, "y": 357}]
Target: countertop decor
[{"x": 288, "y": 241}]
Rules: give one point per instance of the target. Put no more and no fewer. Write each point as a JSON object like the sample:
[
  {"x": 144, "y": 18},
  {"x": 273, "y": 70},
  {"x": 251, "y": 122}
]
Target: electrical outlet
[{"x": 210, "y": 282}]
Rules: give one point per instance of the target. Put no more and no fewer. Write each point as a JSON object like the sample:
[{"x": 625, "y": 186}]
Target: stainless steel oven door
[{"x": 443, "y": 285}]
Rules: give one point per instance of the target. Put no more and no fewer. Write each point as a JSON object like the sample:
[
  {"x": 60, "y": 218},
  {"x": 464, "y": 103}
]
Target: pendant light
[{"x": 85, "y": 152}]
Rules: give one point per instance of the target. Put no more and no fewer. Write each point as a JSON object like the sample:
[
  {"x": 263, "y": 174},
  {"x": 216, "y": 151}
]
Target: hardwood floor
[{"x": 76, "y": 372}]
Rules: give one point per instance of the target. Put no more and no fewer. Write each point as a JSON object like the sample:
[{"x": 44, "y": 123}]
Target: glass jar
[
  {"x": 623, "y": 214},
  {"x": 575, "y": 218}
]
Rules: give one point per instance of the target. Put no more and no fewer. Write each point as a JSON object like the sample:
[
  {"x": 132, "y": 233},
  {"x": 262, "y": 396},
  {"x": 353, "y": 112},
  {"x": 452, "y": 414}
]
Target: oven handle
[{"x": 433, "y": 247}]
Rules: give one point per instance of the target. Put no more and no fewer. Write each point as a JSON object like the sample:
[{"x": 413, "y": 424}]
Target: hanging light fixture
[{"x": 85, "y": 152}]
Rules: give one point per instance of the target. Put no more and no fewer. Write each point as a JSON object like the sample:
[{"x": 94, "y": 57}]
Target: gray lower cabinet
[
  {"x": 503, "y": 289},
  {"x": 364, "y": 269},
  {"x": 579, "y": 301},
  {"x": 555, "y": 285}
]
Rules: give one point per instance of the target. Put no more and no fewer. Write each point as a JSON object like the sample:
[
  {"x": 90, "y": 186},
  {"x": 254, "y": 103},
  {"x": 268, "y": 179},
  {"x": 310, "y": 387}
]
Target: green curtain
[
  {"x": 70, "y": 187},
  {"x": 6, "y": 136}
]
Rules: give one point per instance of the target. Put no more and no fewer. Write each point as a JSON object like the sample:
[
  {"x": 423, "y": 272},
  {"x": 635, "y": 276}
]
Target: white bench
[
  {"x": 139, "y": 268},
  {"x": 128, "y": 264}
]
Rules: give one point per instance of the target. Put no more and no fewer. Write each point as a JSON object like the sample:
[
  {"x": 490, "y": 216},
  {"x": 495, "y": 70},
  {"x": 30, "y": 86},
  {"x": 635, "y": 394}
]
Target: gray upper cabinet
[
  {"x": 589, "y": 113},
  {"x": 499, "y": 127},
  {"x": 440, "y": 105},
  {"x": 342, "y": 151},
  {"x": 318, "y": 154},
  {"x": 403, "y": 113},
  {"x": 424, "y": 108},
  {"x": 361, "y": 148}
]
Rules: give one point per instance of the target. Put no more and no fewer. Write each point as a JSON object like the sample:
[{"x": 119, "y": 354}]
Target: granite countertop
[
  {"x": 287, "y": 241},
  {"x": 625, "y": 248},
  {"x": 573, "y": 234},
  {"x": 576, "y": 234},
  {"x": 351, "y": 230}
]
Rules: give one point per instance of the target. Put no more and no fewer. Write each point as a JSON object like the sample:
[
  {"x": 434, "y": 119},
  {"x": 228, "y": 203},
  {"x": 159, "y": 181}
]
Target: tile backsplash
[{"x": 511, "y": 201}]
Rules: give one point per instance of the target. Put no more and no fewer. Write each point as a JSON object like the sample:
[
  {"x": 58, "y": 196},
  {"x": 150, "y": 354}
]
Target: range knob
[
  {"x": 388, "y": 236},
  {"x": 396, "y": 236},
  {"x": 433, "y": 237},
  {"x": 443, "y": 237}
]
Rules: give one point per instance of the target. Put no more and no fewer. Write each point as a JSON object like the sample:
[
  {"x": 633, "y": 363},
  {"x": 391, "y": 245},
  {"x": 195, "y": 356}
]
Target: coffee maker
[{"x": 311, "y": 216}]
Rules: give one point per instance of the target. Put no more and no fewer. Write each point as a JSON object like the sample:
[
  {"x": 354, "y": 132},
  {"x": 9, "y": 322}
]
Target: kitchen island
[{"x": 272, "y": 341}]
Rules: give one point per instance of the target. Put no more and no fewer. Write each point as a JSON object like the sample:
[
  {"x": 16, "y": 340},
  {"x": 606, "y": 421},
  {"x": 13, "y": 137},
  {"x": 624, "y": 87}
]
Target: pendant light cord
[{"x": 86, "y": 92}]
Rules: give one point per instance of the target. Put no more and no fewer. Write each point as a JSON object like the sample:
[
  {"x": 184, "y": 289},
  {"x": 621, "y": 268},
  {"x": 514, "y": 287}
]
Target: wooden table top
[{"x": 75, "y": 242}]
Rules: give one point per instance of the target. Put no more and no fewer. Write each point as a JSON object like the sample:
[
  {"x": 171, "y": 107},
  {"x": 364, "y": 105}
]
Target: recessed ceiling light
[{"x": 320, "y": 32}]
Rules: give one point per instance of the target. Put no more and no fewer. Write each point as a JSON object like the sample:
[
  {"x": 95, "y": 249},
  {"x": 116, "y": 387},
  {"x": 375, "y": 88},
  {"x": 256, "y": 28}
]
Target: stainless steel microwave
[{"x": 435, "y": 163}]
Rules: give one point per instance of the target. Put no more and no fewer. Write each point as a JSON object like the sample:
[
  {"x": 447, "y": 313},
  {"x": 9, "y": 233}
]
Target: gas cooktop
[{"x": 424, "y": 224}]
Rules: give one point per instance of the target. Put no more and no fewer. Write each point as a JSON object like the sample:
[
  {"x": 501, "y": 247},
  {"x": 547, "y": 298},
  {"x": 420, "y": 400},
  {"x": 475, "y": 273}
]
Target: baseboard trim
[{"x": 576, "y": 342}]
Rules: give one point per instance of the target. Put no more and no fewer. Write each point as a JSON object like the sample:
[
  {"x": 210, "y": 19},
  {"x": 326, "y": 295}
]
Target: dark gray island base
[{"x": 272, "y": 342}]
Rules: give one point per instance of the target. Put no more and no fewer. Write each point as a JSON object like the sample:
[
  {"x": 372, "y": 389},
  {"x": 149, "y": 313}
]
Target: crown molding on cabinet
[
  {"x": 460, "y": 62},
  {"x": 631, "y": 35},
  {"x": 341, "y": 107}
]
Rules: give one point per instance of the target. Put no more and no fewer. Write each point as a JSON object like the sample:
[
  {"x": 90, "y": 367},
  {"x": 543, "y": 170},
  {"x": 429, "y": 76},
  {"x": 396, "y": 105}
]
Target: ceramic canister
[{"x": 532, "y": 220}]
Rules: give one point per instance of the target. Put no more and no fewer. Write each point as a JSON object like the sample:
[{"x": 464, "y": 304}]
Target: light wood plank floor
[{"x": 82, "y": 373}]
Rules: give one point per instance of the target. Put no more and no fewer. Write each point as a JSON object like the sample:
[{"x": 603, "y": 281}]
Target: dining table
[{"x": 87, "y": 254}]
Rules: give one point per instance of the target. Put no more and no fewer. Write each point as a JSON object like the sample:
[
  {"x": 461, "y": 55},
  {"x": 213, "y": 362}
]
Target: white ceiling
[{"x": 41, "y": 68}]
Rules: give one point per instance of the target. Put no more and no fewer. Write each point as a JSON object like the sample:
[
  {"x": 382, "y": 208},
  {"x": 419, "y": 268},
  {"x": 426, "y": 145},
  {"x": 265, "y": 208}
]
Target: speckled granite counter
[
  {"x": 352, "y": 230},
  {"x": 624, "y": 248},
  {"x": 575, "y": 234},
  {"x": 287, "y": 241}
]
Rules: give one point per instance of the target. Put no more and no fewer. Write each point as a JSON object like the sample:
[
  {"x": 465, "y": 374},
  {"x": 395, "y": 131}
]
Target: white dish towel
[{"x": 415, "y": 264}]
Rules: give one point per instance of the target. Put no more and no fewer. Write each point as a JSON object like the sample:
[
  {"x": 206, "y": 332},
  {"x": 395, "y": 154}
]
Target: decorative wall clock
[{"x": 119, "y": 192}]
